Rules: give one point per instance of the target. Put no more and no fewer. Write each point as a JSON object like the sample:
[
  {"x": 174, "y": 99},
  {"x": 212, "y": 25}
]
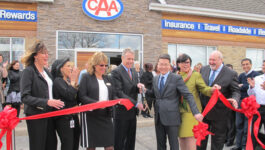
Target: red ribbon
[
  {"x": 200, "y": 132},
  {"x": 249, "y": 107},
  {"x": 9, "y": 119}
]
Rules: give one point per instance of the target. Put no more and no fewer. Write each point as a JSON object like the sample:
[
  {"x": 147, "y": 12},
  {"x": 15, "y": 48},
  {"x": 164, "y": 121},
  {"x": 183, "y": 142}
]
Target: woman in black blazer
[
  {"x": 95, "y": 86},
  {"x": 36, "y": 94},
  {"x": 65, "y": 89},
  {"x": 13, "y": 94}
]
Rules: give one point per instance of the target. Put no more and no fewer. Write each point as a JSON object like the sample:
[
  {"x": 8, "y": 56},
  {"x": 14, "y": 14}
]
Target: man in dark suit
[
  {"x": 127, "y": 86},
  {"x": 167, "y": 89},
  {"x": 217, "y": 73}
]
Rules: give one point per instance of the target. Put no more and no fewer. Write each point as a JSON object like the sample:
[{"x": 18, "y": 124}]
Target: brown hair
[
  {"x": 96, "y": 59},
  {"x": 29, "y": 59},
  {"x": 12, "y": 64}
]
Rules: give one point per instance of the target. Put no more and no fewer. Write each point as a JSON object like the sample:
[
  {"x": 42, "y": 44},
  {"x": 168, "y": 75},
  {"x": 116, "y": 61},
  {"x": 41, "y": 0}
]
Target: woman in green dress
[{"x": 196, "y": 85}]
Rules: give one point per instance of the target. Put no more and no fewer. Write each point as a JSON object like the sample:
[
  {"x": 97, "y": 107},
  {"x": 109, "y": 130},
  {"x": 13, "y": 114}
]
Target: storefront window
[
  {"x": 257, "y": 57},
  {"x": 198, "y": 53},
  {"x": 12, "y": 48},
  {"x": 70, "y": 41}
]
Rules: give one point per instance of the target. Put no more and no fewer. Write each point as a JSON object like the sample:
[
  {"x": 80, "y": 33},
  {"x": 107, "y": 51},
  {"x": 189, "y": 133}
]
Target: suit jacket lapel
[
  {"x": 156, "y": 84},
  {"x": 134, "y": 76}
]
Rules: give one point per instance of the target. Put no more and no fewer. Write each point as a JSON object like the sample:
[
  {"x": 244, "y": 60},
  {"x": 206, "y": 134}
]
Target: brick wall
[
  {"x": 233, "y": 55},
  {"x": 68, "y": 15}
]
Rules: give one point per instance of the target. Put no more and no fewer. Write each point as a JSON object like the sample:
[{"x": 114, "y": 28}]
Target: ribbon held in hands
[
  {"x": 200, "y": 132},
  {"x": 249, "y": 108},
  {"x": 9, "y": 120}
]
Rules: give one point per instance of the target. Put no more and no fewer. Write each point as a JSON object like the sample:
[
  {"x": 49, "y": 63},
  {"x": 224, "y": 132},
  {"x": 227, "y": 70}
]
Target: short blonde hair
[{"x": 96, "y": 59}]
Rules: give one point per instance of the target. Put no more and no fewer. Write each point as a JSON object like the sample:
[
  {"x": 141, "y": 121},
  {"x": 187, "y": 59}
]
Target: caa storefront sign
[{"x": 103, "y": 9}]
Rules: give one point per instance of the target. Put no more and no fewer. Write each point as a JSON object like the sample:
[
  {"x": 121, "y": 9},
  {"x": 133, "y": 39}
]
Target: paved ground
[{"x": 145, "y": 138}]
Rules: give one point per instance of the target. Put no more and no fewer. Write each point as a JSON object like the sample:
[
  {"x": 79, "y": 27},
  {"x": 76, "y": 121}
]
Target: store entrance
[
  {"x": 82, "y": 58},
  {"x": 114, "y": 58}
]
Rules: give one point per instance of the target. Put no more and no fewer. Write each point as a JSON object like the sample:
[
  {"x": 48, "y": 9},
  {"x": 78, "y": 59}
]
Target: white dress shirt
[
  {"x": 103, "y": 91},
  {"x": 257, "y": 90},
  {"x": 49, "y": 82}
]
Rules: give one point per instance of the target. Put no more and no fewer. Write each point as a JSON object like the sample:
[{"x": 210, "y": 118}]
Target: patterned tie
[
  {"x": 161, "y": 87},
  {"x": 212, "y": 78},
  {"x": 129, "y": 72}
]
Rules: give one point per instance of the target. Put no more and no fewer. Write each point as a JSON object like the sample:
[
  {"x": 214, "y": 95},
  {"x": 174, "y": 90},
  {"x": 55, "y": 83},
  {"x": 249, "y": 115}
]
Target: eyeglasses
[{"x": 104, "y": 66}]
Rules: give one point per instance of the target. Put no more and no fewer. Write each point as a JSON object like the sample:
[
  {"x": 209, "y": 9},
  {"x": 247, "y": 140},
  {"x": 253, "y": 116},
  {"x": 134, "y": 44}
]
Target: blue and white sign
[
  {"x": 208, "y": 27},
  {"x": 18, "y": 15},
  {"x": 103, "y": 9}
]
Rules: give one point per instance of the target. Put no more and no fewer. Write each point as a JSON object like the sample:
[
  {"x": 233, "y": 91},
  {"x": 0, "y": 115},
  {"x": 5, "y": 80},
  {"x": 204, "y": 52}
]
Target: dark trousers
[
  {"x": 261, "y": 136},
  {"x": 219, "y": 128},
  {"x": 162, "y": 132},
  {"x": 241, "y": 130},
  {"x": 69, "y": 137},
  {"x": 42, "y": 134},
  {"x": 231, "y": 127},
  {"x": 124, "y": 134}
]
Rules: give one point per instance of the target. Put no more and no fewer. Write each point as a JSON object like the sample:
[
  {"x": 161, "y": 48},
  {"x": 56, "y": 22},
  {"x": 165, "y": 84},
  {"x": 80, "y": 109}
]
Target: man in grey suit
[
  {"x": 217, "y": 73},
  {"x": 127, "y": 86},
  {"x": 167, "y": 89}
]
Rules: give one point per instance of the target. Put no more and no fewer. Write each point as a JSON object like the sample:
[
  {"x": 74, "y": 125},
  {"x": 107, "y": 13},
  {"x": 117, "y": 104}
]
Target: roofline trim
[{"x": 206, "y": 12}]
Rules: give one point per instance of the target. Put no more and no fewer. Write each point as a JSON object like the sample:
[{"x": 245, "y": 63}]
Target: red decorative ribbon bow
[
  {"x": 249, "y": 108},
  {"x": 8, "y": 121},
  {"x": 200, "y": 132}
]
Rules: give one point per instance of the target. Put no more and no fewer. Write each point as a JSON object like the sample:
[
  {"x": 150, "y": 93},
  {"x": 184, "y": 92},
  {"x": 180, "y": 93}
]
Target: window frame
[
  {"x": 140, "y": 54},
  {"x": 177, "y": 45},
  {"x": 10, "y": 47},
  {"x": 257, "y": 49}
]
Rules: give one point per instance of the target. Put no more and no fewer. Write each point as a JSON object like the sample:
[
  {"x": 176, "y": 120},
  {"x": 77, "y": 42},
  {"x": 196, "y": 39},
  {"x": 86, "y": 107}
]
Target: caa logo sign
[{"x": 103, "y": 9}]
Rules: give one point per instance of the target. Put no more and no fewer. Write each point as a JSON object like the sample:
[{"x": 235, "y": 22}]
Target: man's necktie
[
  {"x": 129, "y": 72},
  {"x": 212, "y": 78},
  {"x": 161, "y": 87}
]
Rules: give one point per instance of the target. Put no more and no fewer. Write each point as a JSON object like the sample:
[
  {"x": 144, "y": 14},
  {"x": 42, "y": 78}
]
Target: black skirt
[{"x": 96, "y": 129}]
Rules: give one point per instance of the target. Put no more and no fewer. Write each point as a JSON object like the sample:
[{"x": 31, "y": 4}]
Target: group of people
[{"x": 178, "y": 98}]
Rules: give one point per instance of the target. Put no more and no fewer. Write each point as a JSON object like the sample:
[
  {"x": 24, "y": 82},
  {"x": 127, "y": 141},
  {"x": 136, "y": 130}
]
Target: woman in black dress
[
  {"x": 95, "y": 86},
  {"x": 65, "y": 89}
]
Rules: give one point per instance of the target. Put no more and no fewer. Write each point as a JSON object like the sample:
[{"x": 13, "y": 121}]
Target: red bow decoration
[
  {"x": 249, "y": 108},
  {"x": 200, "y": 132},
  {"x": 8, "y": 121}
]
